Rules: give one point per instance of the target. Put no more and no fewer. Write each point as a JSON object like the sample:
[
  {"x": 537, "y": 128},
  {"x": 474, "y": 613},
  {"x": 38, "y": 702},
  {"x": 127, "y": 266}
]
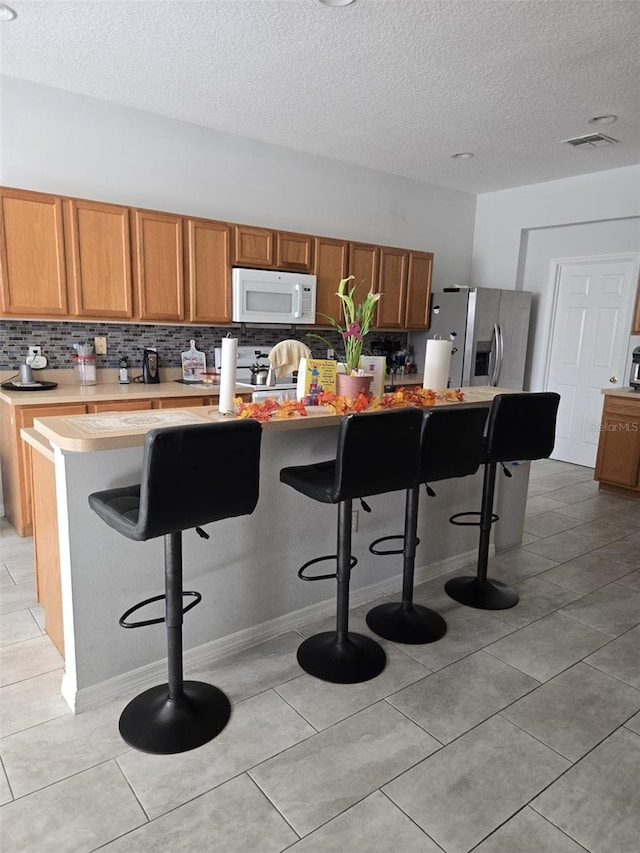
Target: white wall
[
  {"x": 519, "y": 231},
  {"x": 503, "y": 218},
  {"x": 618, "y": 237},
  {"x": 58, "y": 142}
]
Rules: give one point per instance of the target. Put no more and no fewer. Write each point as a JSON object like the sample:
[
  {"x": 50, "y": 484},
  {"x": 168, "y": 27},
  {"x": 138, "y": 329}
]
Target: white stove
[{"x": 250, "y": 356}]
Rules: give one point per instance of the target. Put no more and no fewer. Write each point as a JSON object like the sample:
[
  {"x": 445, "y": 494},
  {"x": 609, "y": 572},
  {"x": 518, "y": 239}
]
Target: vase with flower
[{"x": 357, "y": 319}]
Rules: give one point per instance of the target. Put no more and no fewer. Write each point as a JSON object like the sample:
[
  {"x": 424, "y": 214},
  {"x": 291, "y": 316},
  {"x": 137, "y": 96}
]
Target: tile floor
[{"x": 518, "y": 732}]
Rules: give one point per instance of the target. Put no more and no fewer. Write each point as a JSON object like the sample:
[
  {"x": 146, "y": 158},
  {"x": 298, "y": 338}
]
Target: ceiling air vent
[{"x": 591, "y": 140}]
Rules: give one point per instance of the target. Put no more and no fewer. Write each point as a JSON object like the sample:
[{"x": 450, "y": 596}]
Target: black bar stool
[
  {"x": 451, "y": 446},
  {"x": 377, "y": 452},
  {"x": 191, "y": 475},
  {"x": 521, "y": 427}
]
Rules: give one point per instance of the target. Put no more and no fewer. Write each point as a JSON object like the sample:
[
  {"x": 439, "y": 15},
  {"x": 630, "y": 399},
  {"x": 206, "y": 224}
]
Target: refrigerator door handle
[
  {"x": 499, "y": 354},
  {"x": 493, "y": 355}
]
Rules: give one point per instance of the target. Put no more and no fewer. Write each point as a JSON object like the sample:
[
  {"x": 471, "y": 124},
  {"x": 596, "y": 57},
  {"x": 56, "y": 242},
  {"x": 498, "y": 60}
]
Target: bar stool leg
[
  {"x": 480, "y": 591},
  {"x": 179, "y": 715},
  {"x": 407, "y": 622},
  {"x": 341, "y": 656}
]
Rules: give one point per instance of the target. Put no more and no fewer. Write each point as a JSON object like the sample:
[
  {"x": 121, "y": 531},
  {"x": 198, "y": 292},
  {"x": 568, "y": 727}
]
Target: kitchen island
[{"x": 246, "y": 571}]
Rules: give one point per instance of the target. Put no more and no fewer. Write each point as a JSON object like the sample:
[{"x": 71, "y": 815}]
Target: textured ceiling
[{"x": 393, "y": 85}]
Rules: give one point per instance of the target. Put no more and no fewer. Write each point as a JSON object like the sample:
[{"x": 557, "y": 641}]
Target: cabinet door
[
  {"x": 24, "y": 418},
  {"x": 119, "y": 406},
  {"x": 418, "y": 290},
  {"x": 179, "y": 402},
  {"x": 208, "y": 250},
  {"x": 330, "y": 267},
  {"x": 98, "y": 259},
  {"x": 253, "y": 247},
  {"x": 158, "y": 265},
  {"x": 363, "y": 264},
  {"x": 392, "y": 283},
  {"x": 618, "y": 460},
  {"x": 294, "y": 251},
  {"x": 32, "y": 262}
]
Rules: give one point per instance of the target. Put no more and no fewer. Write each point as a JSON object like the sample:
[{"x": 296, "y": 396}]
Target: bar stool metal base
[
  {"x": 417, "y": 624},
  {"x": 358, "y": 659},
  {"x": 482, "y": 594},
  {"x": 152, "y": 722}
]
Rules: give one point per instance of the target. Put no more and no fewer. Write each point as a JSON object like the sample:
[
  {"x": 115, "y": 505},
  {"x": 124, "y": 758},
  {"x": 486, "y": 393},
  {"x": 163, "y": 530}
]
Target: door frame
[{"x": 554, "y": 281}]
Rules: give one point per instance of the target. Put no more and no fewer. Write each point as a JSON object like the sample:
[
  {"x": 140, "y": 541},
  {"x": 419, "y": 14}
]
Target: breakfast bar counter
[{"x": 246, "y": 572}]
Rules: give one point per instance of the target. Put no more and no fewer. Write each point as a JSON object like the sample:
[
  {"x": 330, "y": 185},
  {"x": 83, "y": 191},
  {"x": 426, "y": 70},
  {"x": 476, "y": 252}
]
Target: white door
[{"x": 589, "y": 339}]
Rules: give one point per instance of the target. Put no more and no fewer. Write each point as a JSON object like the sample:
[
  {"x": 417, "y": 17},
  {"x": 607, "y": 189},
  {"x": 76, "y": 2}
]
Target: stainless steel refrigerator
[{"x": 489, "y": 330}]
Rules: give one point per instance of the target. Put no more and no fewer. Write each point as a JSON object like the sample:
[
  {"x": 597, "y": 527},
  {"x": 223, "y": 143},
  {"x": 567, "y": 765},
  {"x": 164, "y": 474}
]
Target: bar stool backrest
[
  {"x": 377, "y": 452},
  {"x": 522, "y": 427},
  {"x": 452, "y": 442},
  {"x": 195, "y": 474}
]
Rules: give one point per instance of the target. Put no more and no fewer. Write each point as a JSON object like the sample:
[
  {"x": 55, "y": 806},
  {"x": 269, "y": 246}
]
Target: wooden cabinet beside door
[{"x": 618, "y": 460}]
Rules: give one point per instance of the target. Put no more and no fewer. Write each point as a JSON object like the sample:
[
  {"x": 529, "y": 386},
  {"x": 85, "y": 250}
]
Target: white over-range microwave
[{"x": 271, "y": 296}]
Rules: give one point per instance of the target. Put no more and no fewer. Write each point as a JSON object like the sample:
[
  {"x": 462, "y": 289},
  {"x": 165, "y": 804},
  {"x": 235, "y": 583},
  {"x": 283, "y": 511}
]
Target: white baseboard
[{"x": 140, "y": 679}]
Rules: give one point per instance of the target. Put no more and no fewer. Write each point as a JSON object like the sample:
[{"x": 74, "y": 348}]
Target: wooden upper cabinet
[
  {"x": 158, "y": 265},
  {"x": 363, "y": 265},
  {"x": 208, "y": 270},
  {"x": 330, "y": 266},
  {"x": 294, "y": 251},
  {"x": 418, "y": 290},
  {"x": 253, "y": 247},
  {"x": 32, "y": 258},
  {"x": 98, "y": 259},
  {"x": 392, "y": 283}
]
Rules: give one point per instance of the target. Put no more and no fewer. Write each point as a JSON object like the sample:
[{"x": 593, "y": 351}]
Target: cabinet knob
[{"x": 613, "y": 380}]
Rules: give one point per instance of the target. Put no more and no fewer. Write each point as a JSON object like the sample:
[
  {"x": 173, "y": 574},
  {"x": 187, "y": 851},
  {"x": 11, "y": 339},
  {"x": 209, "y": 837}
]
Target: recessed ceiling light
[
  {"x": 7, "y": 13},
  {"x": 463, "y": 155},
  {"x": 606, "y": 119},
  {"x": 337, "y": 2}
]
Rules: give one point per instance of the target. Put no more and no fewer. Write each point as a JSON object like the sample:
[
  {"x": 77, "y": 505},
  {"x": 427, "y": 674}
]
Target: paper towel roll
[
  {"x": 228, "y": 364},
  {"x": 437, "y": 360}
]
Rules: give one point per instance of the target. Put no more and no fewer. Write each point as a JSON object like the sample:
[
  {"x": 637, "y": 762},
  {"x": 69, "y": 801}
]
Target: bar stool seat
[
  {"x": 377, "y": 452},
  {"x": 521, "y": 427},
  {"x": 191, "y": 475},
  {"x": 450, "y": 447}
]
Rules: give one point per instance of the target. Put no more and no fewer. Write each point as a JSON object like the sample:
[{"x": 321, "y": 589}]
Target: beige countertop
[
  {"x": 627, "y": 393},
  {"x": 112, "y": 430}
]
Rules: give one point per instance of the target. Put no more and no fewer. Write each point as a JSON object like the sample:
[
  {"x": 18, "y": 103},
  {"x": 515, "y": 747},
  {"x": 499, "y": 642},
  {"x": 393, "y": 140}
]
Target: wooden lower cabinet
[
  {"x": 14, "y": 456},
  {"x": 46, "y": 545},
  {"x": 618, "y": 460},
  {"x": 119, "y": 406}
]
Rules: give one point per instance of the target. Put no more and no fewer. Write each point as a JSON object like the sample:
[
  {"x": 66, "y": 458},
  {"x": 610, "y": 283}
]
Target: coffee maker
[
  {"x": 634, "y": 379},
  {"x": 150, "y": 366}
]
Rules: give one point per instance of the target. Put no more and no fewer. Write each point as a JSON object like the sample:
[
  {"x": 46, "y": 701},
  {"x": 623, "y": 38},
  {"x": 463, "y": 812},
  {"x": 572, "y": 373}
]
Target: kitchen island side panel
[{"x": 246, "y": 571}]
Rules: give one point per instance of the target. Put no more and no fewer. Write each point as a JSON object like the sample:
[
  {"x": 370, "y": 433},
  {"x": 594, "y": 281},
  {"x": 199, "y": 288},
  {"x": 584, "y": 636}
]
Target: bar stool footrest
[
  {"x": 334, "y": 557},
  {"x": 357, "y": 659},
  {"x": 152, "y": 722},
  {"x": 372, "y": 547},
  {"x": 481, "y": 594},
  {"x": 416, "y": 624},
  {"x": 453, "y": 519},
  {"x": 186, "y": 593}
]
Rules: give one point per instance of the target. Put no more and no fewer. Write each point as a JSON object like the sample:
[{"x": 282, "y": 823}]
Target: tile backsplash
[{"x": 129, "y": 339}]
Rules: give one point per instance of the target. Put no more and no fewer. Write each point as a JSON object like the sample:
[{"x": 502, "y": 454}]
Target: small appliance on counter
[
  {"x": 634, "y": 379},
  {"x": 150, "y": 373}
]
